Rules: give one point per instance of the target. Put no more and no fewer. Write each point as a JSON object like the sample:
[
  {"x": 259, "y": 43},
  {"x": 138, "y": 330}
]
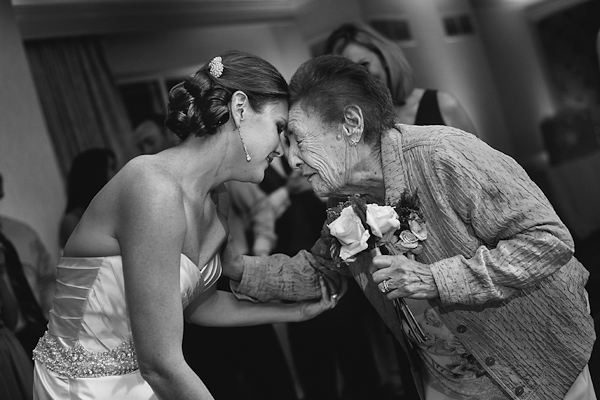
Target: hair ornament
[{"x": 216, "y": 67}]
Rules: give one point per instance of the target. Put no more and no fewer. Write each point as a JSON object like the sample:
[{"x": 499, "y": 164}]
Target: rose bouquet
[{"x": 359, "y": 226}]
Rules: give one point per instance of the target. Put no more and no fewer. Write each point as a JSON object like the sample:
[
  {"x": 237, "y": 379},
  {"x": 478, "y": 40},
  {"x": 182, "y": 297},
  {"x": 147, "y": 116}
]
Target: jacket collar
[{"x": 392, "y": 162}]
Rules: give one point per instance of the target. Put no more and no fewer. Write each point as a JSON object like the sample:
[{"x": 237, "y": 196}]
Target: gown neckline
[{"x": 119, "y": 255}]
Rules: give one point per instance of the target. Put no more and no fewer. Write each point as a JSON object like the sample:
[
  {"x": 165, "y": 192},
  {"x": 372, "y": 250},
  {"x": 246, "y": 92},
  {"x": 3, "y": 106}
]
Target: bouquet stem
[{"x": 404, "y": 314}]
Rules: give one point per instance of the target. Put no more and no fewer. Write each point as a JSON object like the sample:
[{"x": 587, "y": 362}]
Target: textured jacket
[{"x": 509, "y": 287}]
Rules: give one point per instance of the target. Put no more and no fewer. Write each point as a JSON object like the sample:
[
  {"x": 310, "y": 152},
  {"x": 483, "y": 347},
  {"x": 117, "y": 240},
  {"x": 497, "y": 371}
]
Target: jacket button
[
  {"x": 461, "y": 329},
  {"x": 519, "y": 390},
  {"x": 490, "y": 361}
]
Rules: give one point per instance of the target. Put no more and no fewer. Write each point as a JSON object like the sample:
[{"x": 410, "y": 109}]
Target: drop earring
[{"x": 248, "y": 158}]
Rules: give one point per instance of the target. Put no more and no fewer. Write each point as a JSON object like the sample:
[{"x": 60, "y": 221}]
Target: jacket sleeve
[
  {"x": 524, "y": 241},
  {"x": 281, "y": 277},
  {"x": 278, "y": 277}
]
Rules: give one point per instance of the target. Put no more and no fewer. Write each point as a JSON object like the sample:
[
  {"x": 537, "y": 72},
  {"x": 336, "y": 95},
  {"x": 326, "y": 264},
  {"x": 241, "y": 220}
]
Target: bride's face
[{"x": 260, "y": 132}]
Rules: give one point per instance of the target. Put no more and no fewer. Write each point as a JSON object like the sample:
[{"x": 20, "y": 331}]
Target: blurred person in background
[
  {"x": 151, "y": 136},
  {"x": 89, "y": 172},
  {"x": 32, "y": 273},
  {"x": 385, "y": 59},
  {"x": 16, "y": 368},
  {"x": 251, "y": 219}
]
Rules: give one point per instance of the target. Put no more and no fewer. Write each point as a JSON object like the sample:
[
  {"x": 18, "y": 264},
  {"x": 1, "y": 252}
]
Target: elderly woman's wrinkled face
[{"x": 314, "y": 147}]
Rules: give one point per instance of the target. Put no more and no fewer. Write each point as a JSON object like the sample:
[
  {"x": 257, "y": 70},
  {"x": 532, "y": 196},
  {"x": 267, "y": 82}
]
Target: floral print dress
[{"x": 446, "y": 360}]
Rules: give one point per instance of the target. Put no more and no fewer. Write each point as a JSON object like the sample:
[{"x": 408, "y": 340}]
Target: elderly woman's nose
[{"x": 292, "y": 156}]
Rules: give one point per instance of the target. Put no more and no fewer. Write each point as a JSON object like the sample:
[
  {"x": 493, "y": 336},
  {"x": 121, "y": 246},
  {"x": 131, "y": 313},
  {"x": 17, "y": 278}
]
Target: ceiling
[
  {"x": 59, "y": 18},
  {"x": 56, "y": 18}
]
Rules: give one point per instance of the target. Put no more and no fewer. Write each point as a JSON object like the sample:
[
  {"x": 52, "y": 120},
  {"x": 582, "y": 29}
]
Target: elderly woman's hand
[
  {"x": 310, "y": 309},
  {"x": 405, "y": 277}
]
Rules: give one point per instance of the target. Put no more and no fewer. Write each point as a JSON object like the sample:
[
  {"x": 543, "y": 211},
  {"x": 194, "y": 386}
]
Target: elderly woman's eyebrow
[{"x": 289, "y": 131}]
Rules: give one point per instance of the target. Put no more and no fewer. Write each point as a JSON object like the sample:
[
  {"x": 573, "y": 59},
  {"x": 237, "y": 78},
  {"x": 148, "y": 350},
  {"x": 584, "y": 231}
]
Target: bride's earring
[{"x": 248, "y": 158}]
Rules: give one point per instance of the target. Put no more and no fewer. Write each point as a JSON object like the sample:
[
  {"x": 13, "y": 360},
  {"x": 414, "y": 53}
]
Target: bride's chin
[{"x": 257, "y": 176}]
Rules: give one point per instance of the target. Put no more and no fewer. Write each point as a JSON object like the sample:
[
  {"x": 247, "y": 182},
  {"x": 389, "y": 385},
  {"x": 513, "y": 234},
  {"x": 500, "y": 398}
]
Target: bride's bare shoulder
[
  {"x": 146, "y": 175},
  {"x": 146, "y": 167}
]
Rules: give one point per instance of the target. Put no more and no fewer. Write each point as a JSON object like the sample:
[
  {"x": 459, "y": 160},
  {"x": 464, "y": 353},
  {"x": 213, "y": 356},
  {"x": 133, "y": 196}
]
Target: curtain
[{"x": 81, "y": 103}]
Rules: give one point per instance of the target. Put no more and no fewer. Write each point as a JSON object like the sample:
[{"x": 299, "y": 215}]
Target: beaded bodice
[{"x": 89, "y": 332}]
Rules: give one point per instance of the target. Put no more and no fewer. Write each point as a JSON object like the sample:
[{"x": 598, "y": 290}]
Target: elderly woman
[{"x": 494, "y": 292}]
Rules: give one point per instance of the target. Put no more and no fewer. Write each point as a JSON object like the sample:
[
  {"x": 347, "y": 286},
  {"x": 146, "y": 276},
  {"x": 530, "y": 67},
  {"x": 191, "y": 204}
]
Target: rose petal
[
  {"x": 347, "y": 251},
  {"x": 347, "y": 228},
  {"x": 418, "y": 229},
  {"x": 381, "y": 219},
  {"x": 407, "y": 246},
  {"x": 417, "y": 250},
  {"x": 408, "y": 237}
]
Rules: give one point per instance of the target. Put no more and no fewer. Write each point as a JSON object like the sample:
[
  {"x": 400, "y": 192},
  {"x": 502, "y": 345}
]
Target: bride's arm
[
  {"x": 220, "y": 308},
  {"x": 150, "y": 228}
]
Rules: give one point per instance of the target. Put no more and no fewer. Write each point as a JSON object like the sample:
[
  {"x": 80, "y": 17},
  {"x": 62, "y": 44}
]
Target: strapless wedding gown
[{"x": 87, "y": 353}]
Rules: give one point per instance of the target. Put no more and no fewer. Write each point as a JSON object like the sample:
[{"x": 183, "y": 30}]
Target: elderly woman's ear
[{"x": 353, "y": 123}]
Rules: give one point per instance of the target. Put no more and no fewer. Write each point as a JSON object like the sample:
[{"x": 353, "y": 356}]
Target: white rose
[
  {"x": 381, "y": 219},
  {"x": 351, "y": 233}
]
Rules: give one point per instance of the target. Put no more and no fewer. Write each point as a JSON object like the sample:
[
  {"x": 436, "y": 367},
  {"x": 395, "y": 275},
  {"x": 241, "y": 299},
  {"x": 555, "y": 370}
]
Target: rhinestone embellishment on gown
[{"x": 76, "y": 362}]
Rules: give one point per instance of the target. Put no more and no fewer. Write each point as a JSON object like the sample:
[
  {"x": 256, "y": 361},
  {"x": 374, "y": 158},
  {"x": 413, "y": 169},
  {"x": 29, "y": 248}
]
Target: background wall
[
  {"x": 32, "y": 182},
  {"x": 186, "y": 49},
  {"x": 519, "y": 72}
]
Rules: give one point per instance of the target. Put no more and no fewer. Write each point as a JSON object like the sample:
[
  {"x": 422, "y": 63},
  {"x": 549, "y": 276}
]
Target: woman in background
[
  {"x": 384, "y": 59},
  {"x": 90, "y": 171}
]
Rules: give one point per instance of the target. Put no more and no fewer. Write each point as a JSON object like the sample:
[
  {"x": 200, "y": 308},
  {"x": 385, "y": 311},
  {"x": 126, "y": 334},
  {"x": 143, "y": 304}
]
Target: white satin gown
[{"x": 87, "y": 352}]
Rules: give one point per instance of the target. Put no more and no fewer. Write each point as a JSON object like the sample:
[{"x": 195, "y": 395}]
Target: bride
[{"x": 146, "y": 253}]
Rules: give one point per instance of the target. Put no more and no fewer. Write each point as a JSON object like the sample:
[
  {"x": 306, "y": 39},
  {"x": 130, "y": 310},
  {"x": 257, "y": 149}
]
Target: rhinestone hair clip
[{"x": 216, "y": 67}]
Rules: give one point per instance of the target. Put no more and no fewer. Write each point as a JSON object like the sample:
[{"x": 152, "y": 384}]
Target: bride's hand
[
  {"x": 310, "y": 309},
  {"x": 231, "y": 260}
]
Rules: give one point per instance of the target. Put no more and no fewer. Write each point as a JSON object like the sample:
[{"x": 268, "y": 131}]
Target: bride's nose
[{"x": 279, "y": 149}]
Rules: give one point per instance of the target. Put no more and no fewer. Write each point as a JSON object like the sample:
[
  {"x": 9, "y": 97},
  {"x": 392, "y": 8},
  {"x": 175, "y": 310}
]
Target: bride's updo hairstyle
[{"x": 200, "y": 104}]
